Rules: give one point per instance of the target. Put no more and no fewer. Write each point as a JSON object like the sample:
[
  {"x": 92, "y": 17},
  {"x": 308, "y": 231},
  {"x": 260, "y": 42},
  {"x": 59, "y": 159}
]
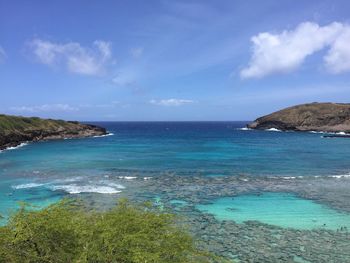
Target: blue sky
[{"x": 171, "y": 60}]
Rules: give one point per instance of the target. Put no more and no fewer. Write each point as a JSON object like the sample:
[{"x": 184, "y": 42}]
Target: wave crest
[
  {"x": 15, "y": 147},
  {"x": 104, "y": 135},
  {"x": 77, "y": 189},
  {"x": 26, "y": 186},
  {"x": 273, "y": 130}
]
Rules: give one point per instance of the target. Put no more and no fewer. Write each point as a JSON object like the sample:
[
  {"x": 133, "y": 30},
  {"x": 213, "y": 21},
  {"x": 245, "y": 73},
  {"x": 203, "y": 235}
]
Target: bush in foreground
[{"x": 65, "y": 233}]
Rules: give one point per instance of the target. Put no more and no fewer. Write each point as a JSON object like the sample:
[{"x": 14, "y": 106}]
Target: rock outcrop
[
  {"x": 327, "y": 117},
  {"x": 15, "y": 130}
]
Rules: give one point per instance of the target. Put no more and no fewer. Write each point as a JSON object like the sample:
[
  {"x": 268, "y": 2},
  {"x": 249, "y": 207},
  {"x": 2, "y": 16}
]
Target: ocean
[{"x": 282, "y": 181}]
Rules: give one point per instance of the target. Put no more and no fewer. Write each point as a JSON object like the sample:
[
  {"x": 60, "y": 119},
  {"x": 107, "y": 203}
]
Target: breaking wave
[
  {"x": 15, "y": 147},
  {"x": 127, "y": 177},
  {"x": 337, "y": 176},
  {"x": 104, "y": 135},
  {"x": 273, "y": 130},
  {"x": 77, "y": 189},
  {"x": 26, "y": 186},
  {"x": 335, "y": 133}
]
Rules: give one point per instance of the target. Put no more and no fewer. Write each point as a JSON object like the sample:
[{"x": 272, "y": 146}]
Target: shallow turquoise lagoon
[
  {"x": 280, "y": 209},
  {"x": 10, "y": 201}
]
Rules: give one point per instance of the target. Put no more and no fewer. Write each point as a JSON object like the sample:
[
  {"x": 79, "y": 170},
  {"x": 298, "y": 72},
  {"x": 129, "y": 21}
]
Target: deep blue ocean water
[{"x": 45, "y": 171}]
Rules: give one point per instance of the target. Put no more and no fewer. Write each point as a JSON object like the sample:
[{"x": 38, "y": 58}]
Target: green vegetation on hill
[
  {"x": 10, "y": 124},
  {"x": 16, "y": 129},
  {"x": 64, "y": 232}
]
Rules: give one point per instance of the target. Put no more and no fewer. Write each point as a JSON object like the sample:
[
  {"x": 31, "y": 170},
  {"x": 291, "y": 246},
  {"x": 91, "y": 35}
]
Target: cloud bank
[
  {"x": 171, "y": 102},
  {"x": 338, "y": 57},
  {"x": 74, "y": 57},
  {"x": 285, "y": 52},
  {"x": 45, "y": 108}
]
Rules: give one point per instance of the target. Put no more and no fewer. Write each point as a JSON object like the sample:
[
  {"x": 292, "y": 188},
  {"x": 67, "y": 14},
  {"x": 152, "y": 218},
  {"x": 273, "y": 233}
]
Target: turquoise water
[
  {"x": 280, "y": 209},
  {"x": 46, "y": 171}
]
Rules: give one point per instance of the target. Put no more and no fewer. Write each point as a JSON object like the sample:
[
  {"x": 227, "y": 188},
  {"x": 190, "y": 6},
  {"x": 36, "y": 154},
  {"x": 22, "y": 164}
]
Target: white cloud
[
  {"x": 171, "y": 102},
  {"x": 124, "y": 78},
  {"x": 285, "y": 52},
  {"x": 2, "y": 55},
  {"x": 136, "y": 52},
  {"x": 76, "y": 59},
  {"x": 45, "y": 108},
  {"x": 338, "y": 57}
]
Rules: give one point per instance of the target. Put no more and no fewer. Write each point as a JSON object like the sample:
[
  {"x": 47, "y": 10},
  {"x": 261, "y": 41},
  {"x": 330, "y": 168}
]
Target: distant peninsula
[
  {"x": 325, "y": 117},
  {"x": 15, "y": 130}
]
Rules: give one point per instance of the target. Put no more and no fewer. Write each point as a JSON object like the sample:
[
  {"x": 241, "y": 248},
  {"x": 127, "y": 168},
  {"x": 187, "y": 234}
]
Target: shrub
[{"x": 64, "y": 232}]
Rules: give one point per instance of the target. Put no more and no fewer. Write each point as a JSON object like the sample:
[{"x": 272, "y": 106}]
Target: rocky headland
[
  {"x": 15, "y": 130},
  {"x": 325, "y": 117}
]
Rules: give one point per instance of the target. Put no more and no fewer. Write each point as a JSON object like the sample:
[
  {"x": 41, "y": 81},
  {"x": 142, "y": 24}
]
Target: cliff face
[
  {"x": 15, "y": 130},
  {"x": 329, "y": 117}
]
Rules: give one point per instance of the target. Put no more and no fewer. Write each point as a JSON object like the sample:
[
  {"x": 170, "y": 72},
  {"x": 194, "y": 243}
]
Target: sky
[{"x": 162, "y": 60}]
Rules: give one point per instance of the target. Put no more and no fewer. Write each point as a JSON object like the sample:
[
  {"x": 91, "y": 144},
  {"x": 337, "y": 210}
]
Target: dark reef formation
[
  {"x": 15, "y": 130},
  {"x": 251, "y": 241},
  {"x": 327, "y": 117}
]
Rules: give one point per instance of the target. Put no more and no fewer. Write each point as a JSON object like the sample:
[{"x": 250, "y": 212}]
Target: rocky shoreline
[
  {"x": 319, "y": 117},
  {"x": 16, "y": 130}
]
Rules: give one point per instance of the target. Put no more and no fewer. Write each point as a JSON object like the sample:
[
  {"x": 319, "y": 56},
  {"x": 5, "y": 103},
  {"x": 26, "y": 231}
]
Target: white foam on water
[
  {"x": 287, "y": 177},
  {"x": 244, "y": 129},
  {"x": 118, "y": 186},
  {"x": 322, "y": 132},
  {"x": 340, "y": 176},
  {"x": 127, "y": 177},
  {"x": 104, "y": 135},
  {"x": 77, "y": 189},
  {"x": 273, "y": 130},
  {"x": 342, "y": 133},
  {"x": 16, "y": 147},
  {"x": 337, "y": 176},
  {"x": 26, "y": 186},
  {"x": 335, "y": 133},
  {"x": 147, "y": 178}
]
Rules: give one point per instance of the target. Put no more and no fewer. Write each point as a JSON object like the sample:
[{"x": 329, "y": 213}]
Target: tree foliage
[{"x": 65, "y": 233}]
